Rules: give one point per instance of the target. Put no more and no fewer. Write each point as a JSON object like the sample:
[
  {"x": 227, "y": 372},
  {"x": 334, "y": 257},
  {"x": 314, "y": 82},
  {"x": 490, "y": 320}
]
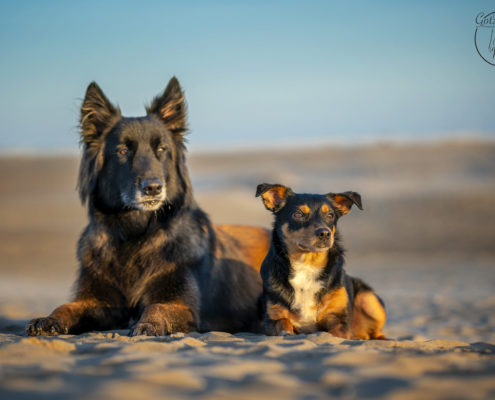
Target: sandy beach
[{"x": 425, "y": 241}]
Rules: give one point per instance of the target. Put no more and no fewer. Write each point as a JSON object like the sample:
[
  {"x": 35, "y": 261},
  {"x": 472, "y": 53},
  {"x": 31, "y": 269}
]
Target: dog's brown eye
[
  {"x": 330, "y": 215},
  {"x": 123, "y": 152},
  {"x": 298, "y": 214},
  {"x": 161, "y": 149}
]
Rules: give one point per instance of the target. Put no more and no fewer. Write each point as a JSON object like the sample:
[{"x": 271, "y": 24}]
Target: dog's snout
[
  {"x": 152, "y": 187},
  {"x": 322, "y": 233}
]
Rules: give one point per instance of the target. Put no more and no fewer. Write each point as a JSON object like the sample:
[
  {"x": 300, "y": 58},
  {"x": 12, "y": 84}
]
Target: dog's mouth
[
  {"x": 149, "y": 205},
  {"x": 314, "y": 248},
  {"x": 143, "y": 203}
]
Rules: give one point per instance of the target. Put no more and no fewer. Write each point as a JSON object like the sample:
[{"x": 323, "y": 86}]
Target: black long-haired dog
[
  {"x": 149, "y": 253},
  {"x": 305, "y": 287}
]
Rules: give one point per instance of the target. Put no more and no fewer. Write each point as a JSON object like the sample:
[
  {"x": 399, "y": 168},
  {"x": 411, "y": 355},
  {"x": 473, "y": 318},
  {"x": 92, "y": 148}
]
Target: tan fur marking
[
  {"x": 340, "y": 202},
  {"x": 252, "y": 243},
  {"x": 369, "y": 317},
  {"x": 273, "y": 195},
  {"x": 285, "y": 325},
  {"x": 332, "y": 236},
  {"x": 172, "y": 110},
  {"x": 155, "y": 242},
  {"x": 305, "y": 209},
  {"x": 333, "y": 302},
  {"x": 164, "y": 318},
  {"x": 178, "y": 313},
  {"x": 72, "y": 311},
  {"x": 276, "y": 311},
  {"x": 316, "y": 260},
  {"x": 325, "y": 208},
  {"x": 282, "y": 319},
  {"x": 68, "y": 314}
]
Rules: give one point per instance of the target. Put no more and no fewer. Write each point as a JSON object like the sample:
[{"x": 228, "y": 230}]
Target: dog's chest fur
[{"x": 306, "y": 285}]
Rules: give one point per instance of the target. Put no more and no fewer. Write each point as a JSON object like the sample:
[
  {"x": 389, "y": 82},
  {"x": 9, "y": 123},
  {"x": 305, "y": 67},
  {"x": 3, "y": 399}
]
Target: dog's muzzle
[
  {"x": 150, "y": 195},
  {"x": 152, "y": 187},
  {"x": 323, "y": 238}
]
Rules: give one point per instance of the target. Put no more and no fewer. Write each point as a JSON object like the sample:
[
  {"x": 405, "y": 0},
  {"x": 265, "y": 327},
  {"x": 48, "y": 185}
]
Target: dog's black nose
[
  {"x": 152, "y": 187},
  {"x": 322, "y": 233}
]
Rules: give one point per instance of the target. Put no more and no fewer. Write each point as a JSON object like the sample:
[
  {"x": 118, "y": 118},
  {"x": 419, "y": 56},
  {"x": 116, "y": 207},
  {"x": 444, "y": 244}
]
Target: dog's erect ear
[
  {"x": 274, "y": 196},
  {"x": 170, "y": 107},
  {"x": 344, "y": 201},
  {"x": 97, "y": 114}
]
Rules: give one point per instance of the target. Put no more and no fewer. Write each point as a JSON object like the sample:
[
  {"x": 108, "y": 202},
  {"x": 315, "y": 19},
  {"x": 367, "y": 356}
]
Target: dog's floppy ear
[
  {"x": 170, "y": 107},
  {"x": 344, "y": 201},
  {"x": 97, "y": 116},
  {"x": 274, "y": 196}
]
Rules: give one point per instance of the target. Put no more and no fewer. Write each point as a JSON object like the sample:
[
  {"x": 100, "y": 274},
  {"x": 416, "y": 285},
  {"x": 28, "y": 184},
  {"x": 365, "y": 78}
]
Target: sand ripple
[{"x": 111, "y": 365}]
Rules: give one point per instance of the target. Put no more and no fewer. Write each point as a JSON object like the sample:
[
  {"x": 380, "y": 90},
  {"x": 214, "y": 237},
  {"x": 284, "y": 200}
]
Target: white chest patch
[{"x": 306, "y": 286}]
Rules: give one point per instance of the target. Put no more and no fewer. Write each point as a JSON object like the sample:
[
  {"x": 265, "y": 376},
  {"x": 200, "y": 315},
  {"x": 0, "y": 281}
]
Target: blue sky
[{"x": 255, "y": 73}]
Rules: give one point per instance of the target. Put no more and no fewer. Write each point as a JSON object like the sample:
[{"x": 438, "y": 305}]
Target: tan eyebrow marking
[{"x": 304, "y": 208}]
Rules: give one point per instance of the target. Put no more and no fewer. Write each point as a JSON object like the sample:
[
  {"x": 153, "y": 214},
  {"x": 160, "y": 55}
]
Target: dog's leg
[
  {"x": 164, "y": 318},
  {"x": 336, "y": 324},
  {"x": 278, "y": 320},
  {"x": 333, "y": 314},
  {"x": 79, "y": 316},
  {"x": 278, "y": 327},
  {"x": 369, "y": 316}
]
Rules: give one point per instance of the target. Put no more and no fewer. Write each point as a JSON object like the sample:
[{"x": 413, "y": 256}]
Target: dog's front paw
[
  {"x": 341, "y": 331},
  {"x": 149, "y": 329},
  {"x": 45, "y": 326},
  {"x": 277, "y": 331},
  {"x": 281, "y": 327}
]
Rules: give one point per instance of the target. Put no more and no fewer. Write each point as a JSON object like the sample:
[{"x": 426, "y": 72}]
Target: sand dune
[{"x": 425, "y": 241}]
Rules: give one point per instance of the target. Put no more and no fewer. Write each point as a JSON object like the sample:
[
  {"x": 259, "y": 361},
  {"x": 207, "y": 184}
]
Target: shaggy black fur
[{"x": 149, "y": 253}]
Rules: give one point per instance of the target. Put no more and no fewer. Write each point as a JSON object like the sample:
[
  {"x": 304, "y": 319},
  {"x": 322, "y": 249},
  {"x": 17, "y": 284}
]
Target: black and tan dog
[
  {"x": 305, "y": 287},
  {"x": 149, "y": 253}
]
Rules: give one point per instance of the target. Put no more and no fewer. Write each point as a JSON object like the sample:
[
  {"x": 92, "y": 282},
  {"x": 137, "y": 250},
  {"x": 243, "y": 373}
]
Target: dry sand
[
  {"x": 425, "y": 241},
  {"x": 218, "y": 365}
]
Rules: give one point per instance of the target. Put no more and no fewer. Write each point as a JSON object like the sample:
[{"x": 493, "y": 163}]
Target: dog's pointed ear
[
  {"x": 274, "y": 196},
  {"x": 344, "y": 201},
  {"x": 170, "y": 107},
  {"x": 97, "y": 114}
]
